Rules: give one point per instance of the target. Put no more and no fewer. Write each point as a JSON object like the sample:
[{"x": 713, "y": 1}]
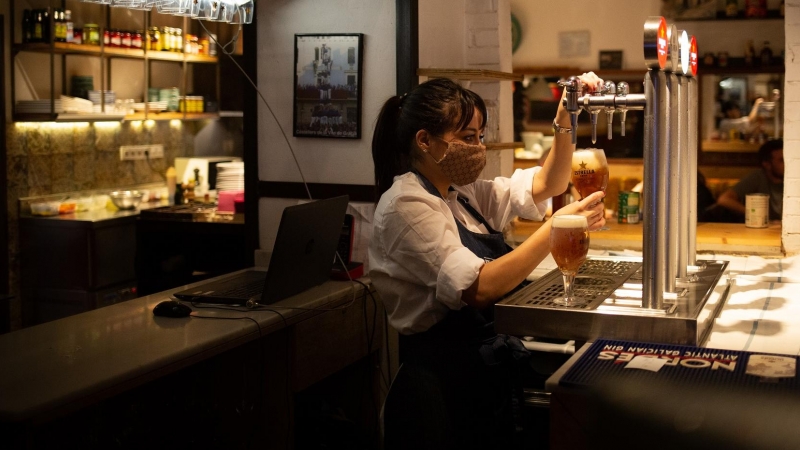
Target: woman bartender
[{"x": 439, "y": 263}]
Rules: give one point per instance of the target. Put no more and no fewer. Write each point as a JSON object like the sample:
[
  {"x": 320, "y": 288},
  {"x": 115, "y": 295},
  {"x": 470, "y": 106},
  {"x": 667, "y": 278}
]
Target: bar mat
[{"x": 608, "y": 361}]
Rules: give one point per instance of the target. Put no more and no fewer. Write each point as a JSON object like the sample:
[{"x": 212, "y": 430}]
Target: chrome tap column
[
  {"x": 670, "y": 153},
  {"x": 664, "y": 296}
]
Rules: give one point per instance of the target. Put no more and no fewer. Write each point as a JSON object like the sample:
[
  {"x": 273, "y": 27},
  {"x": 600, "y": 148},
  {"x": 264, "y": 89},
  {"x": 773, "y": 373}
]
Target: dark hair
[
  {"x": 437, "y": 106},
  {"x": 765, "y": 151}
]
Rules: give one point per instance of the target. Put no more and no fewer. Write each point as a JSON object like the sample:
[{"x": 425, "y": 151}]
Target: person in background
[
  {"x": 766, "y": 180},
  {"x": 734, "y": 121},
  {"x": 705, "y": 200},
  {"x": 439, "y": 264}
]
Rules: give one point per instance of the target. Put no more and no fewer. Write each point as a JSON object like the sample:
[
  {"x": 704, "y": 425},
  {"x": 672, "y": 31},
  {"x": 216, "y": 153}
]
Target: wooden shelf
[
  {"x": 504, "y": 145},
  {"x": 161, "y": 116},
  {"x": 772, "y": 14},
  {"x": 64, "y": 48},
  {"x": 740, "y": 69},
  {"x": 624, "y": 74},
  {"x": 470, "y": 74},
  {"x": 729, "y": 146}
]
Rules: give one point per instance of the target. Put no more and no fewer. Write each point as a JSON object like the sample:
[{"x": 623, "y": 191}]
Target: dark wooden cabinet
[{"x": 72, "y": 266}]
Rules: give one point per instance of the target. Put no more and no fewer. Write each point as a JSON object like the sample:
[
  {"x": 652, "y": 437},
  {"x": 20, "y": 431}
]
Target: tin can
[
  {"x": 756, "y": 214},
  {"x": 628, "y": 207}
]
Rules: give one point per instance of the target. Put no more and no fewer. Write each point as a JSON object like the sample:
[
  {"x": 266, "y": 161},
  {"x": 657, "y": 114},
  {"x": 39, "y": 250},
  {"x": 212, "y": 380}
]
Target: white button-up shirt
[{"x": 417, "y": 262}]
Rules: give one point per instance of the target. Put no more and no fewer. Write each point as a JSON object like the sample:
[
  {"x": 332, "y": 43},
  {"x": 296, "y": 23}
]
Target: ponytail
[
  {"x": 437, "y": 106},
  {"x": 389, "y": 155}
]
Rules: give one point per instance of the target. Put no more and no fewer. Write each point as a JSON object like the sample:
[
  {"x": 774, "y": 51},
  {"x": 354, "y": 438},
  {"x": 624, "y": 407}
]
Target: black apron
[{"x": 477, "y": 370}]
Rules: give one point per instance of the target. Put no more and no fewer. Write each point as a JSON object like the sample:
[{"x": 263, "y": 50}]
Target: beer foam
[
  {"x": 593, "y": 158},
  {"x": 569, "y": 221}
]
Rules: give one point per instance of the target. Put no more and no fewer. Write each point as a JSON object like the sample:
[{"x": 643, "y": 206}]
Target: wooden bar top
[{"x": 728, "y": 238}]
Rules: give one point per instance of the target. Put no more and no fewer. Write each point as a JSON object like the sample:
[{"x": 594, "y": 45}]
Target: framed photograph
[
  {"x": 327, "y": 85},
  {"x": 611, "y": 59}
]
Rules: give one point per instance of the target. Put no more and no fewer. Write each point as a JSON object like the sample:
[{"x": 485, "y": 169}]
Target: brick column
[
  {"x": 791, "y": 133},
  {"x": 488, "y": 47}
]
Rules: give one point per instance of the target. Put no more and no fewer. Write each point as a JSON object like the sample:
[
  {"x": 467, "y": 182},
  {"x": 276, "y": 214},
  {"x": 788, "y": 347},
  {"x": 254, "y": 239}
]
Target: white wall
[
  {"x": 474, "y": 34},
  {"x": 340, "y": 161}
]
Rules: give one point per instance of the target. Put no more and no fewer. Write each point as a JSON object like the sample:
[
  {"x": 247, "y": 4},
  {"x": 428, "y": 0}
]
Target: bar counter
[
  {"x": 58, "y": 375},
  {"x": 723, "y": 238}
]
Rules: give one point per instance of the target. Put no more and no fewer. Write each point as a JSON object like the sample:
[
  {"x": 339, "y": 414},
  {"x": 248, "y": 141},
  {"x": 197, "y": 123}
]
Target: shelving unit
[
  {"x": 477, "y": 75},
  {"x": 107, "y": 55}
]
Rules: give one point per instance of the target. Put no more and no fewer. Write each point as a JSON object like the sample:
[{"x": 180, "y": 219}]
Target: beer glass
[
  {"x": 589, "y": 172},
  {"x": 569, "y": 244}
]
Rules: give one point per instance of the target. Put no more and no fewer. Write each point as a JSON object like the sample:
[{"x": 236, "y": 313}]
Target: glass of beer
[
  {"x": 589, "y": 172},
  {"x": 569, "y": 244}
]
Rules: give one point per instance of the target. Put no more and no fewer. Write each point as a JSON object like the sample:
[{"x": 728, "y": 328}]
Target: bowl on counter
[{"x": 126, "y": 199}]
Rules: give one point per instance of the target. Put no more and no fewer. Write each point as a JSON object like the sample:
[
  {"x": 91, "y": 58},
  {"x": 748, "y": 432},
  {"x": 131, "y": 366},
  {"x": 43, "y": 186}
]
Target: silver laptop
[{"x": 302, "y": 258}]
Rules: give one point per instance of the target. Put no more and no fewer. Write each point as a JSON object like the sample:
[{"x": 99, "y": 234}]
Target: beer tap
[
  {"x": 610, "y": 90},
  {"x": 573, "y": 86},
  {"x": 594, "y": 108},
  {"x": 623, "y": 89}
]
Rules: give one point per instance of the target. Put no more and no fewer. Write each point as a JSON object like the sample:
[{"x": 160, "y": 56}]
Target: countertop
[
  {"x": 68, "y": 363},
  {"x": 725, "y": 238}
]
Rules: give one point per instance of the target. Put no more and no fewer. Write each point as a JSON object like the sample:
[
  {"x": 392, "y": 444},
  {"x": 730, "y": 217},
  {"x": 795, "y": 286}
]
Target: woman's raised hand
[{"x": 592, "y": 207}]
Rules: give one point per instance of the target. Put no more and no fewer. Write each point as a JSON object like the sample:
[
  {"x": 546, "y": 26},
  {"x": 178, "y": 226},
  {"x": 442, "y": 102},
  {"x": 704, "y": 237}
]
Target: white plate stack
[{"x": 230, "y": 176}]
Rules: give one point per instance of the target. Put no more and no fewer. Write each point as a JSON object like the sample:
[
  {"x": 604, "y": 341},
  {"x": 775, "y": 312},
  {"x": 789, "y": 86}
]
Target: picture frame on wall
[
  {"x": 327, "y": 85},
  {"x": 610, "y": 59}
]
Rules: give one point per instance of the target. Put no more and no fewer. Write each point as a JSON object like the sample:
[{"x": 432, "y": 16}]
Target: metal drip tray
[
  {"x": 612, "y": 290},
  {"x": 596, "y": 280}
]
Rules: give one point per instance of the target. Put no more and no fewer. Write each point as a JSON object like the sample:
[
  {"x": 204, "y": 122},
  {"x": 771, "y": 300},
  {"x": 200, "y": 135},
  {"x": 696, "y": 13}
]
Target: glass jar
[
  {"x": 126, "y": 39},
  {"x": 107, "y": 38},
  {"x": 136, "y": 40},
  {"x": 116, "y": 38},
  {"x": 166, "y": 38},
  {"x": 91, "y": 34},
  {"x": 202, "y": 46},
  {"x": 77, "y": 36},
  {"x": 178, "y": 42},
  {"x": 154, "y": 39}
]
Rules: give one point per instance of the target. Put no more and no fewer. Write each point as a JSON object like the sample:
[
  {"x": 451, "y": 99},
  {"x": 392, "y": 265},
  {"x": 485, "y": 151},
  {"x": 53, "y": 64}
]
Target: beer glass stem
[{"x": 569, "y": 278}]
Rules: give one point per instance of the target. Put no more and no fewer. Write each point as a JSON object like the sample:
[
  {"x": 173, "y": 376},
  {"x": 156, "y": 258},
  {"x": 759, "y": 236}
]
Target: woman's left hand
[{"x": 591, "y": 207}]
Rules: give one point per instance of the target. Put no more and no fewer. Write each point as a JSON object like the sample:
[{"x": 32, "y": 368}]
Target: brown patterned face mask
[{"x": 462, "y": 163}]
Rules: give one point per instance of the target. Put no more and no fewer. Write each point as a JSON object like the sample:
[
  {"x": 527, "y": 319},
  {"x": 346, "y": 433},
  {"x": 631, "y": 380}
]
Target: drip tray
[{"x": 611, "y": 288}]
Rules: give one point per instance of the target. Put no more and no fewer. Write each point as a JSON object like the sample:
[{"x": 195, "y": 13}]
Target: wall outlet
[{"x": 133, "y": 152}]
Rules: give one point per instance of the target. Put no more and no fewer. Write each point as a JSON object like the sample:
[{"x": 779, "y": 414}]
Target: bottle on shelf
[
  {"x": 59, "y": 26},
  {"x": 69, "y": 26},
  {"x": 749, "y": 53},
  {"x": 755, "y": 9},
  {"x": 46, "y": 31},
  {"x": 37, "y": 33},
  {"x": 27, "y": 26},
  {"x": 766, "y": 54},
  {"x": 732, "y": 8}
]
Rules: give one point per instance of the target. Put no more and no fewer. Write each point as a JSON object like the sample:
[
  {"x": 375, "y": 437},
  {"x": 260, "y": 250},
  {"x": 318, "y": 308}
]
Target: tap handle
[
  {"x": 573, "y": 86},
  {"x": 623, "y": 89},
  {"x": 609, "y": 89}
]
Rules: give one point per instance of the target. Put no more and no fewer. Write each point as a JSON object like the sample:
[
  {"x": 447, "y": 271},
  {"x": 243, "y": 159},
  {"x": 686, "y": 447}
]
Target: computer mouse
[{"x": 172, "y": 308}]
